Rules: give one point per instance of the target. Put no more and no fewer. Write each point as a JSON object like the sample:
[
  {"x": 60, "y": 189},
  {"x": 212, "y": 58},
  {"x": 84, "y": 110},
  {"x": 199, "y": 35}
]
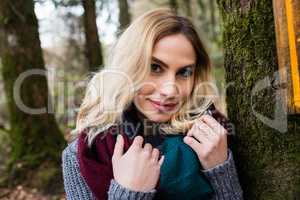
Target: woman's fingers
[
  {"x": 213, "y": 136},
  {"x": 207, "y": 130},
  {"x": 220, "y": 133},
  {"x": 137, "y": 142},
  {"x": 151, "y": 153},
  {"x": 213, "y": 124},
  {"x": 148, "y": 147},
  {"x": 199, "y": 134},
  {"x": 155, "y": 155},
  {"x": 142, "y": 165},
  {"x": 194, "y": 144},
  {"x": 161, "y": 160},
  {"x": 136, "y": 149},
  {"x": 119, "y": 147},
  {"x": 211, "y": 146},
  {"x": 147, "y": 150}
]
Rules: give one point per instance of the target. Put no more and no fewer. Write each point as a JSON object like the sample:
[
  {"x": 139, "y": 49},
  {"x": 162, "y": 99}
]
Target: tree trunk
[
  {"x": 173, "y": 5},
  {"x": 204, "y": 20},
  {"x": 124, "y": 15},
  {"x": 188, "y": 7},
  {"x": 267, "y": 155},
  {"x": 93, "y": 45},
  {"x": 212, "y": 11},
  {"x": 35, "y": 139}
]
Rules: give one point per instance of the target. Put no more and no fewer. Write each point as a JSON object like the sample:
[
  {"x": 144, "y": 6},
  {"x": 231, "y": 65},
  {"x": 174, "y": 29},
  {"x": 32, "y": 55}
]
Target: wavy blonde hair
[{"x": 111, "y": 90}]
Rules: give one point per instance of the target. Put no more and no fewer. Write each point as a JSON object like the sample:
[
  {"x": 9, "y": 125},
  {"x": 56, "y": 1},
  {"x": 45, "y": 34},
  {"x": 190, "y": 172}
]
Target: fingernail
[
  {"x": 119, "y": 137},
  {"x": 187, "y": 140}
]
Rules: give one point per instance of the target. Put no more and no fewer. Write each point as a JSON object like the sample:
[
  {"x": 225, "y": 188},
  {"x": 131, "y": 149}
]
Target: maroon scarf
[{"x": 95, "y": 162}]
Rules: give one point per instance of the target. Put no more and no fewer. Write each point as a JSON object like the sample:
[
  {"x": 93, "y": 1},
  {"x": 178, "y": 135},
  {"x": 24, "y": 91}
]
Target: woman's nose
[{"x": 169, "y": 89}]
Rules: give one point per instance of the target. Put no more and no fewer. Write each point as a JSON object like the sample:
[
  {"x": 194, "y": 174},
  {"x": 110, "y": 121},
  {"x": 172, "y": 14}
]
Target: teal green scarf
[{"x": 181, "y": 176}]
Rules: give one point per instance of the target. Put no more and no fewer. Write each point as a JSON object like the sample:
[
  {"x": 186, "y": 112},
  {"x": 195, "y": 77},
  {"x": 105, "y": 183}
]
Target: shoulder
[
  {"x": 72, "y": 147},
  {"x": 70, "y": 163},
  {"x": 74, "y": 184},
  {"x": 70, "y": 151}
]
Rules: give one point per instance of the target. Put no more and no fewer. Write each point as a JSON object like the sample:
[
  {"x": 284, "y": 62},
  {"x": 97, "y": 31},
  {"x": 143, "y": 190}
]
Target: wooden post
[{"x": 287, "y": 24}]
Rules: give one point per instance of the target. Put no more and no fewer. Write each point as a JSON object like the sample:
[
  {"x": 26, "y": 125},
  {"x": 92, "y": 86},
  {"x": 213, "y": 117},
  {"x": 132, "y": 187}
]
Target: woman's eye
[
  {"x": 186, "y": 72},
  {"x": 156, "y": 68}
]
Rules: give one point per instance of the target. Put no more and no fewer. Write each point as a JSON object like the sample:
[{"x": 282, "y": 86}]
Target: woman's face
[{"x": 171, "y": 79}]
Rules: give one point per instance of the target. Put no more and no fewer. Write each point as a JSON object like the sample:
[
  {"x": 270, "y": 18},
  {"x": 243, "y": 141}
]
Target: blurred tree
[
  {"x": 208, "y": 25},
  {"x": 93, "y": 45},
  {"x": 124, "y": 14},
  {"x": 35, "y": 138},
  {"x": 188, "y": 7},
  {"x": 267, "y": 156},
  {"x": 73, "y": 47},
  {"x": 212, "y": 18},
  {"x": 203, "y": 17},
  {"x": 173, "y": 5}
]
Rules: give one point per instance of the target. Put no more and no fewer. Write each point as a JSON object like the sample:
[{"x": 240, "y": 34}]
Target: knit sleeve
[
  {"x": 74, "y": 184},
  {"x": 118, "y": 192},
  {"x": 224, "y": 180}
]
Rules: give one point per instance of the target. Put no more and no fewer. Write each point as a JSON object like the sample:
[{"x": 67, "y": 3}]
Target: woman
[{"x": 142, "y": 128}]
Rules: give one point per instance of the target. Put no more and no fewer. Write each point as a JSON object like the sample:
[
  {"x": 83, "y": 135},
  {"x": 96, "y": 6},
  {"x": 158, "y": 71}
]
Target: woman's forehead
[{"x": 175, "y": 49}]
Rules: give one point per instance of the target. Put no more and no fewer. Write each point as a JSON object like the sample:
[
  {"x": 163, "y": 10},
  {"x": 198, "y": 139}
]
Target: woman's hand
[
  {"x": 138, "y": 169},
  {"x": 209, "y": 141}
]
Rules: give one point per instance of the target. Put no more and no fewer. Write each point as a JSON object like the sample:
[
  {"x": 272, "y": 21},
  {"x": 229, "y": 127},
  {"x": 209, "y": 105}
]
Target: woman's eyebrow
[{"x": 165, "y": 65}]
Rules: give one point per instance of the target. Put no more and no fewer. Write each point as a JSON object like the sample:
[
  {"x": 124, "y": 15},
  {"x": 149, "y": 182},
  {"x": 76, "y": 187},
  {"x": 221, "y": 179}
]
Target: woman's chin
[{"x": 159, "y": 118}]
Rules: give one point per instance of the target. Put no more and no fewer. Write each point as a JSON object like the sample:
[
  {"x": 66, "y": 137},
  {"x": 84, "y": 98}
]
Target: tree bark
[
  {"x": 124, "y": 15},
  {"x": 93, "y": 45},
  {"x": 267, "y": 155},
  {"x": 35, "y": 139}
]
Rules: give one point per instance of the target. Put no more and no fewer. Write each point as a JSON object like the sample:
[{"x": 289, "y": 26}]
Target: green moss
[{"x": 3, "y": 20}]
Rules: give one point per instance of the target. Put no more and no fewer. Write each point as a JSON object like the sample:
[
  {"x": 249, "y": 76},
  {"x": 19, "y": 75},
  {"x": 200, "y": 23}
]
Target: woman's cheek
[
  {"x": 185, "y": 92},
  {"x": 146, "y": 88}
]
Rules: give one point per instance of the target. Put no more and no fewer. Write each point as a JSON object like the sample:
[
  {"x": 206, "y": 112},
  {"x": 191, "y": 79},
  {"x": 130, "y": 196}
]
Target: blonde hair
[{"x": 113, "y": 88}]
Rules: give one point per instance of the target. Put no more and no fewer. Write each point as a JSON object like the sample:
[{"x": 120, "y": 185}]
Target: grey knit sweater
[{"x": 223, "y": 179}]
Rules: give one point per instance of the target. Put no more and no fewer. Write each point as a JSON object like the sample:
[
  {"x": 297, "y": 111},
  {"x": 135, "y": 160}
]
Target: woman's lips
[{"x": 164, "y": 107}]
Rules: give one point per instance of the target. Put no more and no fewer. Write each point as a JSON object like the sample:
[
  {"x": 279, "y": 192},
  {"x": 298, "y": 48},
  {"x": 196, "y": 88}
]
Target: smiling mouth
[{"x": 163, "y": 107}]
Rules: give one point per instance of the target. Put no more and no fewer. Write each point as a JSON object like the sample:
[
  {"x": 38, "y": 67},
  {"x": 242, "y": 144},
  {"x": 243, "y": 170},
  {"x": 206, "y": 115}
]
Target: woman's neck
[{"x": 150, "y": 127}]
